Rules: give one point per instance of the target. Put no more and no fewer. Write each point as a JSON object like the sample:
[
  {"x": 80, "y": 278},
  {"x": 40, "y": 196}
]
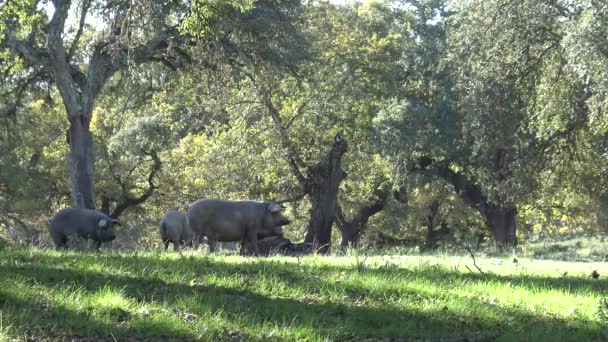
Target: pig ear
[
  {"x": 274, "y": 208},
  {"x": 103, "y": 223}
]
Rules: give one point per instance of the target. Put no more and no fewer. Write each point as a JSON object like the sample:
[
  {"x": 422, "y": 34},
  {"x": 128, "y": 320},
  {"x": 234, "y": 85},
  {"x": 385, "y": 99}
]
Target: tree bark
[
  {"x": 351, "y": 230},
  {"x": 81, "y": 165},
  {"x": 324, "y": 183},
  {"x": 321, "y": 182},
  {"x": 502, "y": 223},
  {"x": 431, "y": 240}
]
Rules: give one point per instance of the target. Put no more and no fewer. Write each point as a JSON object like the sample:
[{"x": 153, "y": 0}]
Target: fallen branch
[{"x": 474, "y": 263}]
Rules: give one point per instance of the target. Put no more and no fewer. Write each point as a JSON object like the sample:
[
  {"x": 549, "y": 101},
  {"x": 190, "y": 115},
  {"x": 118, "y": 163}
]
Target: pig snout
[
  {"x": 283, "y": 221},
  {"x": 108, "y": 235},
  {"x": 278, "y": 230}
]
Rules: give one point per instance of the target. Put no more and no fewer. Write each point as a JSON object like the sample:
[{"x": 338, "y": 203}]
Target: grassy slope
[{"x": 49, "y": 295}]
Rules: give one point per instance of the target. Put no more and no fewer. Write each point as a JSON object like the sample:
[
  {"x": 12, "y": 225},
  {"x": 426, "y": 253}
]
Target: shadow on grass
[
  {"x": 326, "y": 319},
  {"x": 36, "y": 321},
  {"x": 246, "y": 307}
]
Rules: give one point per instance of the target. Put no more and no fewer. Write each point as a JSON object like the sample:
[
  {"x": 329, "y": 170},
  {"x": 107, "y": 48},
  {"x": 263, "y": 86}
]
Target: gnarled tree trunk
[
  {"x": 351, "y": 230},
  {"x": 324, "y": 182},
  {"x": 81, "y": 162},
  {"x": 500, "y": 219},
  {"x": 502, "y": 222},
  {"x": 431, "y": 240},
  {"x": 321, "y": 182}
]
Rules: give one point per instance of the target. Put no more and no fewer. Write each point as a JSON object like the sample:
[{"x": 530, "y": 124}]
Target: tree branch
[
  {"x": 58, "y": 64},
  {"x": 474, "y": 262},
  {"x": 129, "y": 201},
  {"x": 352, "y": 229},
  {"x": 292, "y": 156},
  {"x": 85, "y": 8},
  {"x": 295, "y": 198},
  {"x": 470, "y": 192},
  {"x": 109, "y": 57},
  {"x": 31, "y": 54},
  {"x": 20, "y": 89}
]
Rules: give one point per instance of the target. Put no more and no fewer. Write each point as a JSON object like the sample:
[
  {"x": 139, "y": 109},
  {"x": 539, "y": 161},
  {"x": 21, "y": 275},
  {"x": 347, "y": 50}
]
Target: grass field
[{"x": 48, "y": 295}]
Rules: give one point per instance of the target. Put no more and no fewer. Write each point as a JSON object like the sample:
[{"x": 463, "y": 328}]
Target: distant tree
[
  {"x": 126, "y": 33},
  {"x": 481, "y": 120}
]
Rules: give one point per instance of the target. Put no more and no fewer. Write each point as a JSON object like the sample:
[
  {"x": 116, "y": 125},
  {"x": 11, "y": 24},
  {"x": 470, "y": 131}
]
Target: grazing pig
[
  {"x": 243, "y": 221},
  {"x": 84, "y": 223},
  {"x": 174, "y": 228}
]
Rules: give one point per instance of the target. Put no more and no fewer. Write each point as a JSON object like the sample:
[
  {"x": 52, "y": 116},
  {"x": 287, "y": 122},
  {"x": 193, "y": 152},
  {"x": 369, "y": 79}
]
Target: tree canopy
[{"x": 385, "y": 121}]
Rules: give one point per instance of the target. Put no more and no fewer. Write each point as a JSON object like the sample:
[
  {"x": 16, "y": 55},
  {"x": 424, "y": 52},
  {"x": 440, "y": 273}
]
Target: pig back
[
  {"x": 174, "y": 226},
  {"x": 226, "y": 220}
]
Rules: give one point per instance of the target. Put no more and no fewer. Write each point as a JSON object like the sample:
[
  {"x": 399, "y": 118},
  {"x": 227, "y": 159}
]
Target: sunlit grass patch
[
  {"x": 191, "y": 295},
  {"x": 111, "y": 303}
]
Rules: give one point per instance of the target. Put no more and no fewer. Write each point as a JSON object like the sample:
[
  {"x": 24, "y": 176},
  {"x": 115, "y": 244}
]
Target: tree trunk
[
  {"x": 324, "y": 182},
  {"x": 431, "y": 239},
  {"x": 502, "y": 223},
  {"x": 322, "y": 215},
  {"x": 351, "y": 230},
  {"x": 499, "y": 219},
  {"x": 321, "y": 182},
  {"x": 105, "y": 204},
  {"x": 81, "y": 164}
]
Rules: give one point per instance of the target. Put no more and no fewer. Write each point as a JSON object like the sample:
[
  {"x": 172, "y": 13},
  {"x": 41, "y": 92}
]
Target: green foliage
[
  {"x": 32, "y": 166},
  {"x": 204, "y": 12},
  {"x": 515, "y": 102}
]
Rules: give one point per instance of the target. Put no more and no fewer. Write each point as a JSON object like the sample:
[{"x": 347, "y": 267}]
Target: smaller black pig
[
  {"x": 174, "y": 229},
  {"x": 84, "y": 223}
]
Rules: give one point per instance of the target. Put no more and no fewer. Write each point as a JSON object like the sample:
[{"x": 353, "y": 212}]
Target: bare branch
[
  {"x": 474, "y": 263},
  {"x": 83, "y": 14},
  {"x": 292, "y": 155},
  {"x": 129, "y": 201},
  {"x": 295, "y": 198}
]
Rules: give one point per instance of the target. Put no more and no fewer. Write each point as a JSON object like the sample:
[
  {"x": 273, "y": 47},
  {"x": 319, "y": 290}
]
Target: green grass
[
  {"x": 48, "y": 295},
  {"x": 575, "y": 248}
]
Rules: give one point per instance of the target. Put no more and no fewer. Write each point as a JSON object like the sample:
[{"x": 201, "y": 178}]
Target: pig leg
[
  {"x": 97, "y": 245},
  {"x": 63, "y": 244},
  {"x": 252, "y": 235},
  {"x": 60, "y": 240},
  {"x": 212, "y": 244},
  {"x": 175, "y": 246},
  {"x": 243, "y": 246},
  {"x": 166, "y": 244}
]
